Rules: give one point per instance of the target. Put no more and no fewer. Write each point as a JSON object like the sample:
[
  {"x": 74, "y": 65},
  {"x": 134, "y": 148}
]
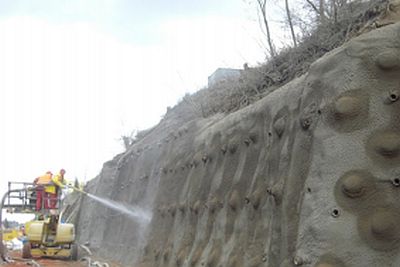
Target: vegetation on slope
[{"x": 351, "y": 19}]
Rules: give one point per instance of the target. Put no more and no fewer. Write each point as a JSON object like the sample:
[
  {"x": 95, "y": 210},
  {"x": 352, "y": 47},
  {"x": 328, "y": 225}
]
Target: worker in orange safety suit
[{"x": 42, "y": 197}]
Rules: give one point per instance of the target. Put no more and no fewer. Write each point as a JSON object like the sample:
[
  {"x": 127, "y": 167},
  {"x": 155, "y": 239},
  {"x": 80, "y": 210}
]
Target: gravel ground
[{"x": 18, "y": 261}]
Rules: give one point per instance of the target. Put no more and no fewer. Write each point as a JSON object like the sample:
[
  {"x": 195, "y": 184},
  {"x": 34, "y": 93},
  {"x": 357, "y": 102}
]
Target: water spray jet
[{"x": 134, "y": 213}]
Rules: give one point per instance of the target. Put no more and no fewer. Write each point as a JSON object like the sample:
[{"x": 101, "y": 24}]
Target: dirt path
[
  {"x": 43, "y": 262},
  {"x": 18, "y": 261},
  {"x": 47, "y": 263}
]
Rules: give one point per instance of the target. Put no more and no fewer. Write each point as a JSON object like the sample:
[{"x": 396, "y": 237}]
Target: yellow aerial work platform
[{"x": 45, "y": 236}]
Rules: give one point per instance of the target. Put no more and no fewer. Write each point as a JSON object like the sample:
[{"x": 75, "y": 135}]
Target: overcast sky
[{"x": 75, "y": 75}]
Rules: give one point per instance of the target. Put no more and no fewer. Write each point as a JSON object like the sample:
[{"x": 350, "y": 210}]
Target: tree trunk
[
  {"x": 322, "y": 18},
  {"x": 290, "y": 22},
  {"x": 335, "y": 10},
  {"x": 313, "y": 6},
  {"x": 320, "y": 10},
  {"x": 262, "y": 5}
]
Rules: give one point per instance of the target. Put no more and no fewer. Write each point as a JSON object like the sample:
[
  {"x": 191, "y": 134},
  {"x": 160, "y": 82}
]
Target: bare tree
[
  {"x": 319, "y": 10},
  {"x": 313, "y": 6},
  {"x": 128, "y": 140},
  {"x": 329, "y": 10},
  {"x": 262, "y": 5},
  {"x": 322, "y": 17},
  {"x": 334, "y": 8},
  {"x": 289, "y": 17}
]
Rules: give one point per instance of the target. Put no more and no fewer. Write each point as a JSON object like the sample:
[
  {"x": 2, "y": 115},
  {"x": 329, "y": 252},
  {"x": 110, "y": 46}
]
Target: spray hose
[
  {"x": 92, "y": 263},
  {"x": 77, "y": 189}
]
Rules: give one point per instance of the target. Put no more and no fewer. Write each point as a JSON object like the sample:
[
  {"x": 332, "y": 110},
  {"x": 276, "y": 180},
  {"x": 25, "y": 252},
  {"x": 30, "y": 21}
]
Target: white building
[{"x": 223, "y": 74}]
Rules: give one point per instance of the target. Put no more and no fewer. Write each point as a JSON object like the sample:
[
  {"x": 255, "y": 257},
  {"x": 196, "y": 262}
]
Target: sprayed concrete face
[{"x": 307, "y": 176}]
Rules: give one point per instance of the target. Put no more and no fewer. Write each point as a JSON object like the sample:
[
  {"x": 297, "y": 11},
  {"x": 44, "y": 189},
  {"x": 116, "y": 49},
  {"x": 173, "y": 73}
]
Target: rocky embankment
[{"x": 307, "y": 176}]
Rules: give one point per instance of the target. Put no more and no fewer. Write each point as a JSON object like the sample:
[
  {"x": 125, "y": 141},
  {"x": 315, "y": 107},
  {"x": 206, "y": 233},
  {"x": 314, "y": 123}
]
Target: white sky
[{"x": 76, "y": 75}]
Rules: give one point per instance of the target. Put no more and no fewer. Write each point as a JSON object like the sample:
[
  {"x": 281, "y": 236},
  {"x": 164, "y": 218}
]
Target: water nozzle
[{"x": 77, "y": 189}]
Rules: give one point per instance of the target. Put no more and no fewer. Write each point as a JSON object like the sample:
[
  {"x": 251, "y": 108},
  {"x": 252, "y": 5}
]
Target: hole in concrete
[
  {"x": 396, "y": 182},
  {"x": 308, "y": 190},
  {"x": 298, "y": 261},
  {"x": 246, "y": 142},
  {"x": 306, "y": 123},
  {"x": 253, "y": 137},
  {"x": 335, "y": 213},
  {"x": 233, "y": 148},
  {"x": 393, "y": 97},
  {"x": 224, "y": 149}
]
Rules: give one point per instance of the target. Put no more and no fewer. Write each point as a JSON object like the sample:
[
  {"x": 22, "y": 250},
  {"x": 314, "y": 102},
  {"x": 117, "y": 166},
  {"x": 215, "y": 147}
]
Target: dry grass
[{"x": 231, "y": 95}]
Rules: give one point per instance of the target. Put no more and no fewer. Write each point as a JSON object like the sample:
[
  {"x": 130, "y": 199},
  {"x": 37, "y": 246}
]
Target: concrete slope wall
[{"x": 307, "y": 176}]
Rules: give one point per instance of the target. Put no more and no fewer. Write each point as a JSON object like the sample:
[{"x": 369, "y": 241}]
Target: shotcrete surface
[{"x": 307, "y": 176}]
